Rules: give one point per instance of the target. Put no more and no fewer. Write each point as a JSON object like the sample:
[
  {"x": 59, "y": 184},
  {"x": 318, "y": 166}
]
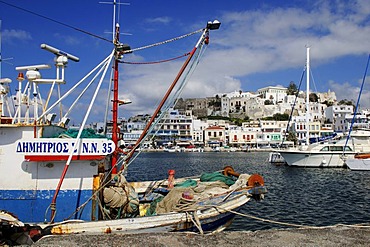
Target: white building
[
  {"x": 197, "y": 132},
  {"x": 214, "y": 136},
  {"x": 274, "y": 94},
  {"x": 317, "y": 111},
  {"x": 236, "y": 102},
  {"x": 336, "y": 114}
]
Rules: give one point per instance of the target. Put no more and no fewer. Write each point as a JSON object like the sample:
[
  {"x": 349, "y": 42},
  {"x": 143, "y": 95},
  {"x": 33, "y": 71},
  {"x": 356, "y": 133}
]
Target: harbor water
[{"x": 304, "y": 196}]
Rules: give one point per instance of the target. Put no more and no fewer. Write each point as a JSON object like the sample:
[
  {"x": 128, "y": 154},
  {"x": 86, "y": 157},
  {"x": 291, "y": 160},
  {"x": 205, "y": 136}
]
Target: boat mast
[
  {"x": 308, "y": 95},
  {"x": 115, "y": 103},
  {"x": 119, "y": 48}
]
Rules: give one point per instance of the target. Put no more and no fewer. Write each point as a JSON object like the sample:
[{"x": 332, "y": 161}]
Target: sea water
[{"x": 303, "y": 196}]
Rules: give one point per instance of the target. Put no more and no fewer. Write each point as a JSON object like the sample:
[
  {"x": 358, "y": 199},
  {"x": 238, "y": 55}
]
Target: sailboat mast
[{"x": 308, "y": 96}]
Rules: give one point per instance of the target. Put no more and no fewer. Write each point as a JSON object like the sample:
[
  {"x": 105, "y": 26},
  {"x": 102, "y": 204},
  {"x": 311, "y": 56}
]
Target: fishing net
[
  {"x": 217, "y": 176},
  {"x": 86, "y": 133},
  {"x": 187, "y": 183},
  {"x": 121, "y": 199}
]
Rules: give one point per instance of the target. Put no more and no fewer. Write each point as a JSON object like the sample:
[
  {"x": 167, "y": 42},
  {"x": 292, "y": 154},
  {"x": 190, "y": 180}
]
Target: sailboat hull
[{"x": 314, "y": 159}]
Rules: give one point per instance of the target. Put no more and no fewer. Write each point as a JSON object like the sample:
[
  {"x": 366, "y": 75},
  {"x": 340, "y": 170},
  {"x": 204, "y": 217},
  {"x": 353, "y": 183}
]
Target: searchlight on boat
[
  {"x": 213, "y": 25},
  {"x": 124, "y": 102}
]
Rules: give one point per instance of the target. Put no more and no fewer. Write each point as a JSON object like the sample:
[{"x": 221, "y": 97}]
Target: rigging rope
[
  {"x": 293, "y": 106},
  {"x": 59, "y": 22},
  {"x": 97, "y": 36},
  {"x": 357, "y": 104},
  {"x": 155, "y": 62},
  {"x": 164, "y": 42},
  {"x": 173, "y": 98},
  {"x": 313, "y": 81}
]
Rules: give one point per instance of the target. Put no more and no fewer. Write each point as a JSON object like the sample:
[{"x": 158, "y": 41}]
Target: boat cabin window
[{"x": 335, "y": 148}]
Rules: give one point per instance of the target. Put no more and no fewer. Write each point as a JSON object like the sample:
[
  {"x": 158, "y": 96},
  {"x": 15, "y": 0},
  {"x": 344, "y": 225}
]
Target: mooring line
[{"x": 285, "y": 223}]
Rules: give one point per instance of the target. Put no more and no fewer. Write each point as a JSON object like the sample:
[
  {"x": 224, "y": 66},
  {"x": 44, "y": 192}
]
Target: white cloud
[
  {"x": 69, "y": 40},
  {"x": 162, "y": 20},
  {"x": 259, "y": 41},
  {"x": 352, "y": 92},
  {"x": 14, "y": 36}
]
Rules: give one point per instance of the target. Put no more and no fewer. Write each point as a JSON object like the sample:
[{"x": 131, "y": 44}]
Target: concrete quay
[{"x": 325, "y": 236}]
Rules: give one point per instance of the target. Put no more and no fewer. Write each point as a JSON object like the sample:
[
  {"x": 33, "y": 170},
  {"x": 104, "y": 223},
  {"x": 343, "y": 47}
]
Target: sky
[{"x": 260, "y": 43}]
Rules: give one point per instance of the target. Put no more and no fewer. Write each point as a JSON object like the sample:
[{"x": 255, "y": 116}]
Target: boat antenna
[{"x": 115, "y": 16}]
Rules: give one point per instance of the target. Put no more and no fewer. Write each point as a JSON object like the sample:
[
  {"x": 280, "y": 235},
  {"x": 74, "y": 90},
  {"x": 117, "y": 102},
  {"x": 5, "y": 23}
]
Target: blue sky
[{"x": 260, "y": 43}]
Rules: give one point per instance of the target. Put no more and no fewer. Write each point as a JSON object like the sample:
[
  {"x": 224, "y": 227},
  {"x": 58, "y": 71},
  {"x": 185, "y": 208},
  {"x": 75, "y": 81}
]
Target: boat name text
[{"x": 52, "y": 146}]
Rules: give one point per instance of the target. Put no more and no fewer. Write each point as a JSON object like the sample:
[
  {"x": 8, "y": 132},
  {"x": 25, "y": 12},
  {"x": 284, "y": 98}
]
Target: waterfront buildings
[{"x": 207, "y": 122}]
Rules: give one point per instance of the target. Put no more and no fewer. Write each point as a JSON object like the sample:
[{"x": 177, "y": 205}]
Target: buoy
[
  {"x": 171, "y": 178},
  {"x": 255, "y": 180}
]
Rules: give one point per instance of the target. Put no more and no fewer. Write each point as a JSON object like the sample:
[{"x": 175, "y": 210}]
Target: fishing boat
[{"x": 57, "y": 181}]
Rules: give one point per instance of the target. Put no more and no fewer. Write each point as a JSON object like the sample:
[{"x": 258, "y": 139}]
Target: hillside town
[{"x": 245, "y": 120}]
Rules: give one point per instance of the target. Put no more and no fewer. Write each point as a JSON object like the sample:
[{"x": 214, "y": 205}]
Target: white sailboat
[{"x": 329, "y": 153}]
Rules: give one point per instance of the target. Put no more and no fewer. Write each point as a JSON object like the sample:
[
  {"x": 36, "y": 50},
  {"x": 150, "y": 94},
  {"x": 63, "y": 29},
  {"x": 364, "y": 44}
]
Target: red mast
[{"x": 115, "y": 104}]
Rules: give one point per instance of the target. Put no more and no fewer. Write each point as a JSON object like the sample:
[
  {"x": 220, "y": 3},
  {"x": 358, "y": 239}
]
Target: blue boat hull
[{"x": 27, "y": 204}]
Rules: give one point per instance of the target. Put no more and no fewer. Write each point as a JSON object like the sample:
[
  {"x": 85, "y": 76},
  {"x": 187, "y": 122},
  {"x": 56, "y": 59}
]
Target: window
[{"x": 336, "y": 148}]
